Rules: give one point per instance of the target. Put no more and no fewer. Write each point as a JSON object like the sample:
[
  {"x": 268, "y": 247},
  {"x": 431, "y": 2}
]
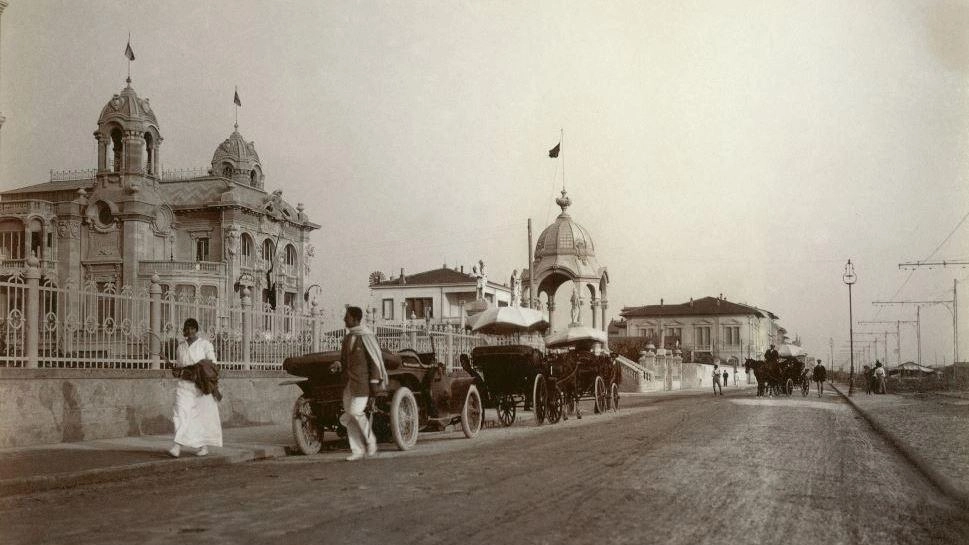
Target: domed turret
[
  {"x": 127, "y": 135},
  {"x": 564, "y": 236},
  {"x": 237, "y": 160}
]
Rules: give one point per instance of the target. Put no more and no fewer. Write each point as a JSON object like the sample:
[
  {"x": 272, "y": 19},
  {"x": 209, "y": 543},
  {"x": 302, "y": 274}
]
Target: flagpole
[
  {"x": 237, "y": 108},
  {"x": 129, "y": 58},
  {"x": 562, "y": 142}
]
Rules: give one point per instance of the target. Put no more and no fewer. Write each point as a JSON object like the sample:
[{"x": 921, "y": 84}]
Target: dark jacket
[
  {"x": 205, "y": 375},
  {"x": 358, "y": 369}
]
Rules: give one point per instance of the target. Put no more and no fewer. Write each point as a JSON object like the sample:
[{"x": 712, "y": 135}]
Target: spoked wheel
[
  {"x": 471, "y": 413},
  {"x": 308, "y": 434},
  {"x": 506, "y": 410},
  {"x": 789, "y": 386},
  {"x": 600, "y": 393},
  {"x": 539, "y": 398},
  {"x": 614, "y": 394},
  {"x": 404, "y": 418},
  {"x": 554, "y": 406}
]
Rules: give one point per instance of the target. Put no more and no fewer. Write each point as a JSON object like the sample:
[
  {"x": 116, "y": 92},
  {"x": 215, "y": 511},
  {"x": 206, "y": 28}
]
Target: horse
[{"x": 768, "y": 375}]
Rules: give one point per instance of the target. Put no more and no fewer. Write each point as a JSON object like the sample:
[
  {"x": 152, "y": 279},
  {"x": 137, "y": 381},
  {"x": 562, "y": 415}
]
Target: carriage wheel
[
  {"x": 471, "y": 413},
  {"x": 600, "y": 393},
  {"x": 805, "y": 388},
  {"x": 308, "y": 434},
  {"x": 554, "y": 406},
  {"x": 506, "y": 410},
  {"x": 789, "y": 386},
  {"x": 614, "y": 394},
  {"x": 404, "y": 418},
  {"x": 539, "y": 398}
]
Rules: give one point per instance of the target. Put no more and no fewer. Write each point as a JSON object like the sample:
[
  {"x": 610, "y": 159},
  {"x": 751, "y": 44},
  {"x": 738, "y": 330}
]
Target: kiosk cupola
[{"x": 128, "y": 136}]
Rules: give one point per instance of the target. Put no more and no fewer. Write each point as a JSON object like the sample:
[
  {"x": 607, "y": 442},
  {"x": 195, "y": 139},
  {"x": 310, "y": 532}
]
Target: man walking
[
  {"x": 819, "y": 375},
  {"x": 716, "y": 380},
  {"x": 365, "y": 375}
]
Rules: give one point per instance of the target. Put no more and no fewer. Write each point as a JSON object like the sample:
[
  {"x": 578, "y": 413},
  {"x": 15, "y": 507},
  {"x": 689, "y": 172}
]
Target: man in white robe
[{"x": 195, "y": 414}]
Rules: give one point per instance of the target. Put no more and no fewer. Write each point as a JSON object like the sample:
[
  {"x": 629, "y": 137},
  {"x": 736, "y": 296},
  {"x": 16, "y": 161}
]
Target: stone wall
[{"x": 42, "y": 406}]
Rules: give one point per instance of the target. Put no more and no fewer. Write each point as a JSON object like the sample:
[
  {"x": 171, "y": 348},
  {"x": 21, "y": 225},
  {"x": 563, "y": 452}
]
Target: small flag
[
  {"x": 236, "y": 99},
  {"x": 554, "y": 152},
  {"x": 128, "y": 52}
]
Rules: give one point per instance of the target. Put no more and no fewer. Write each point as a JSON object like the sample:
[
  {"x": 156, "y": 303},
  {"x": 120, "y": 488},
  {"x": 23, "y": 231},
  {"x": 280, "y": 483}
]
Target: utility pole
[
  {"x": 918, "y": 320},
  {"x": 898, "y": 335},
  {"x": 955, "y": 300}
]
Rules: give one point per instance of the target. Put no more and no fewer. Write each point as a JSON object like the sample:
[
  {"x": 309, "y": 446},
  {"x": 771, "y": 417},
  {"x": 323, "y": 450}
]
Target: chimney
[
  {"x": 691, "y": 301},
  {"x": 402, "y": 279},
  {"x": 661, "y": 301},
  {"x": 462, "y": 269}
]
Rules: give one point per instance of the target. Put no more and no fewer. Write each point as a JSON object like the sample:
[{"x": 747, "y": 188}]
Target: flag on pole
[
  {"x": 236, "y": 100},
  {"x": 554, "y": 152},
  {"x": 128, "y": 52}
]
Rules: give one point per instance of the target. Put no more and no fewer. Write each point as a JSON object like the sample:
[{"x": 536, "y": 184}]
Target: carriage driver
[{"x": 771, "y": 354}]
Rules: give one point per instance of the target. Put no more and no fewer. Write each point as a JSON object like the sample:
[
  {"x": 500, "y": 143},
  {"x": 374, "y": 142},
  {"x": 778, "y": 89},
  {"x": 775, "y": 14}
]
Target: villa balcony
[{"x": 181, "y": 268}]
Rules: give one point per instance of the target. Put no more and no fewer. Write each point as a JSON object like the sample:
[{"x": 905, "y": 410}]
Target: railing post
[
  {"x": 32, "y": 315},
  {"x": 450, "y": 350},
  {"x": 246, "y": 327},
  {"x": 315, "y": 313},
  {"x": 154, "y": 322}
]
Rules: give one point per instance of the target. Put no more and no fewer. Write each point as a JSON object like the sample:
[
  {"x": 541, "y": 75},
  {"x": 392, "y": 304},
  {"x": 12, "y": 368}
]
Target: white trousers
[
  {"x": 356, "y": 423},
  {"x": 196, "y": 417}
]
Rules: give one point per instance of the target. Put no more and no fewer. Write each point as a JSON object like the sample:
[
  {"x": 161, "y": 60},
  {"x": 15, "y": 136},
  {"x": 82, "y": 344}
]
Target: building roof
[
  {"x": 705, "y": 306},
  {"x": 72, "y": 185},
  {"x": 434, "y": 277}
]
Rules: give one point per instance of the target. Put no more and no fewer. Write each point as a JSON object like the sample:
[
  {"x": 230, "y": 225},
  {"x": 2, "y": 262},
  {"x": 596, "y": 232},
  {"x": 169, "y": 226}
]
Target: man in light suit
[{"x": 362, "y": 365}]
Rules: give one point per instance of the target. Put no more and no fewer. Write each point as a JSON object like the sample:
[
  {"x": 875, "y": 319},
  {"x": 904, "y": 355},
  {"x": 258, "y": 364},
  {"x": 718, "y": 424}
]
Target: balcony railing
[
  {"x": 45, "y": 264},
  {"x": 180, "y": 267},
  {"x": 73, "y": 175}
]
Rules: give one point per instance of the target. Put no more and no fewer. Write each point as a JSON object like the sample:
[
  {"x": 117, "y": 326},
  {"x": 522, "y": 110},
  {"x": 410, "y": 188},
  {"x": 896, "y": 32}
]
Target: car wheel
[
  {"x": 404, "y": 418},
  {"x": 471, "y": 413},
  {"x": 306, "y": 431},
  {"x": 600, "y": 393},
  {"x": 615, "y": 397}
]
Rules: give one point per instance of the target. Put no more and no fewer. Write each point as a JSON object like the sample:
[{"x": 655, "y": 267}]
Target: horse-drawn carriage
[
  {"x": 580, "y": 368},
  {"x": 553, "y": 384},
  {"x": 778, "y": 376},
  {"x": 421, "y": 396}
]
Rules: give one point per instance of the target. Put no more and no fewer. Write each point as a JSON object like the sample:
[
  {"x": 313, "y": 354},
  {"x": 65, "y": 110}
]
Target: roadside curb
[
  {"x": 40, "y": 483},
  {"x": 937, "y": 478}
]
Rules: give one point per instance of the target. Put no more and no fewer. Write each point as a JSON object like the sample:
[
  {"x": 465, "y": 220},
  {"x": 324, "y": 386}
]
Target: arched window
[
  {"x": 252, "y": 178},
  {"x": 268, "y": 251},
  {"x": 226, "y": 170},
  {"x": 247, "y": 248},
  {"x": 290, "y": 256},
  {"x": 117, "y": 144},
  {"x": 149, "y": 153}
]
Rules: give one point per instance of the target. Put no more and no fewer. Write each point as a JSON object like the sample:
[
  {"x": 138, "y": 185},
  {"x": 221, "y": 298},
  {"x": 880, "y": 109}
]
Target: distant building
[
  {"x": 436, "y": 296},
  {"x": 703, "y": 329},
  {"x": 205, "y": 233}
]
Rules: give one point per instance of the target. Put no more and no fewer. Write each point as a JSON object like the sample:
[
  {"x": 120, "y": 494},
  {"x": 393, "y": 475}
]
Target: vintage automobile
[{"x": 420, "y": 397}]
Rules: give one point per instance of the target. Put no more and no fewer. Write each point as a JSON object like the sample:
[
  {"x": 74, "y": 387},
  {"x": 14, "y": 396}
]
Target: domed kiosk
[{"x": 565, "y": 252}]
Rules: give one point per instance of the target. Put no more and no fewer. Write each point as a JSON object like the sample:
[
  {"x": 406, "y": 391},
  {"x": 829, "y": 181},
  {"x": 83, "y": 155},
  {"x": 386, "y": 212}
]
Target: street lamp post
[{"x": 849, "y": 278}]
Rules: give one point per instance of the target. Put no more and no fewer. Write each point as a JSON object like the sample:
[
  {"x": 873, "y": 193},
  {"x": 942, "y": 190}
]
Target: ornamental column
[{"x": 605, "y": 305}]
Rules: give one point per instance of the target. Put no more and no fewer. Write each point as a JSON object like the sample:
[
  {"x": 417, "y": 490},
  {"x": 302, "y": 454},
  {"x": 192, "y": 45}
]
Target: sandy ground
[{"x": 692, "y": 470}]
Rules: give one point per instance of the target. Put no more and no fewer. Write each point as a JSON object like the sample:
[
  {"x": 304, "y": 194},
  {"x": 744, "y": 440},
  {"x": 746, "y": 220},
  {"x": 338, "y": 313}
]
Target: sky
[{"x": 748, "y": 148}]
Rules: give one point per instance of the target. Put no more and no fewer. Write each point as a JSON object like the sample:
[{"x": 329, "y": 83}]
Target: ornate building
[
  {"x": 565, "y": 252},
  {"x": 208, "y": 232}
]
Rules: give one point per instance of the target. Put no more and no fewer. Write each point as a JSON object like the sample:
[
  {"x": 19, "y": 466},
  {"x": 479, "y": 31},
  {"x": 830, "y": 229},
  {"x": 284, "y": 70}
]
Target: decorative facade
[
  {"x": 565, "y": 252},
  {"x": 205, "y": 233}
]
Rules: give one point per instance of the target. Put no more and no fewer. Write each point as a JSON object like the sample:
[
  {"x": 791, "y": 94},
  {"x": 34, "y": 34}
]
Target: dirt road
[{"x": 685, "y": 471}]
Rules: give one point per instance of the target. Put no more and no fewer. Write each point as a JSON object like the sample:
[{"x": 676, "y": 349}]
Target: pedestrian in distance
[
  {"x": 881, "y": 386},
  {"x": 196, "y": 411},
  {"x": 819, "y": 375},
  {"x": 365, "y": 376},
  {"x": 716, "y": 380},
  {"x": 725, "y": 375},
  {"x": 866, "y": 372}
]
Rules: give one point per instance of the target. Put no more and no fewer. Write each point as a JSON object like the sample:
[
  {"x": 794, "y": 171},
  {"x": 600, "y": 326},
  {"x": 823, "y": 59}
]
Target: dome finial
[{"x": 564, "y": 201}]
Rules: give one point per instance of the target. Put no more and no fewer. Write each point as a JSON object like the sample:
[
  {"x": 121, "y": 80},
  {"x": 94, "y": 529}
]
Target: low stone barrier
[{"x": 43, "y": 406}]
